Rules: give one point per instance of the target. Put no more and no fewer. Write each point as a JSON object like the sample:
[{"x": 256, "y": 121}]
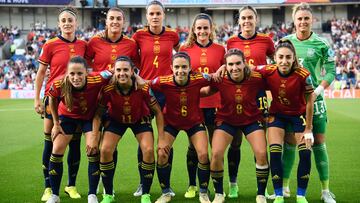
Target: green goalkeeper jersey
[{"x": 316, "y": 55}]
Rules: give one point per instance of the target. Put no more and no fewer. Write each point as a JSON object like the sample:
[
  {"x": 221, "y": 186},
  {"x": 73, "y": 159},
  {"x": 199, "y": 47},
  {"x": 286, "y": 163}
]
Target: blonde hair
[
  {"x": 301, "y": 7},
  {"x": 191, "y": 39},
  {"x": 66, "y": 86},
  {"x": 73, "y": 11}
]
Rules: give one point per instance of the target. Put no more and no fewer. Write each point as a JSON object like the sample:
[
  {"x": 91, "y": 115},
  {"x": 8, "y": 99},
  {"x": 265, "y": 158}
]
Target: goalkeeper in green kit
[{"x": 315, "y": 54}]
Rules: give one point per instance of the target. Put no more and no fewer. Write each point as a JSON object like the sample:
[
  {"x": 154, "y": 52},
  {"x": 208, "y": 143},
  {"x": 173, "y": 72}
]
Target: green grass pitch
[{"x": 21, "y": 142}]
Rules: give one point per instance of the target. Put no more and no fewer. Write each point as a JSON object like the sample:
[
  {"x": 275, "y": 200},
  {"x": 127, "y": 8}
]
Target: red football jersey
[
  {"x": 181, "y": 109},
  {"x": 155, "y": 51},
  {"x": 127, "y": 109},
  {"x": 255, "y": 48},
  {"x": 288, "y": 92},
  {"x": 206, "y": 59},
  {"x": 85, "y": 100},
  {"x": 56, "y": 54},
  {"x": 238, "y": 100},
  {"x": 102, "y": 53}
]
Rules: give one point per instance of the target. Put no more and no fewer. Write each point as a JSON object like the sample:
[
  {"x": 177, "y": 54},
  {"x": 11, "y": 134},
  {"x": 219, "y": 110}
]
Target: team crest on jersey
[
  {"x": 238, "y": 98},
  {"x": 156, "y": 47},
  {"x": 203, "y": 59},
  {"x": 310, "y": 52},
  {"x": 83, "y": 105},
  {"x": 282, "y": 92},
  {"x": 127, "y": 110},
  {"x": 247, "y": 52},
  {"x": 183, "y": 98},
  {"x": 113, "y": 57}
]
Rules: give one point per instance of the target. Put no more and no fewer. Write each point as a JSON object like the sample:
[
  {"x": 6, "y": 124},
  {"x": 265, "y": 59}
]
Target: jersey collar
[
  {"x": 285, "y": 75},
  {"x": 229, "y": 77},
  {"x": 162, "y": 31},
  {"x": 108, "y": 40},
  {"x": 202, "y": 46},
  {"x": 65, "y": 40},
  {"x": 131, "y": 89},
  {"x": 243, "y": 38},
  {"x": 311, "y": 34}
]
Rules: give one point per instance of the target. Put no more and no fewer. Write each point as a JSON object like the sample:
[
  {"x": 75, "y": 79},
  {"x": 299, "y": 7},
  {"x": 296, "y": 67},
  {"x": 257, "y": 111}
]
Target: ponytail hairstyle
[
  {"x": 288, "y": 44},
  {"x": 66, "y": 86},
  {"x": 238, "y": 52},
  {"x": 118, "y": 59},
  {"x": 191, "y": 39}
]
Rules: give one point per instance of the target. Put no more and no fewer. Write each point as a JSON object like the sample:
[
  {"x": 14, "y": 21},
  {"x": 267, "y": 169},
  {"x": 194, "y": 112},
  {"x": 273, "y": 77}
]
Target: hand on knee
[{"x": 163, "y": 156}]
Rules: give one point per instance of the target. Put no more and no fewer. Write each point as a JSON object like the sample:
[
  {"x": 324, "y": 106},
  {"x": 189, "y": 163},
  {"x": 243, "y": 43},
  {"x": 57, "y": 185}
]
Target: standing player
[
  {"x": 256, "y": 47},
  {"x": 127, "y": 108},
  {"x": 55, "y": 54},
  {"x": 182, "y": 112},
  {"x": 293, "y": 104},
  {"x": 206, "y": 57},
  {"x": 239, "y": 112},
  {"x": 72, "y": 100},
  {"x": 102, "y": 52},
  {"x": 314, "y": 54},
  {"x": 156, "y": 44}
]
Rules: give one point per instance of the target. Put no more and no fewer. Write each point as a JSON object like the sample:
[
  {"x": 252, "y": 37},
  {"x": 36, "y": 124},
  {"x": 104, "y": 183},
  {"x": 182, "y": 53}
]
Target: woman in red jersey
[
  {"x": 104, "y": 49},
  {"x": 256, "y": 48},
  {"x": 206, "y": 57},
  {"x": 292, "y": 104},
  {"x": 182, "y": 112},
  {"x": 72, "y": 100},
  {"x": 239, "y": 114},
  {"x": 156, "y": 44},
  {"x": 127, "y": 108},
  {"x": 55, "y": 55}
]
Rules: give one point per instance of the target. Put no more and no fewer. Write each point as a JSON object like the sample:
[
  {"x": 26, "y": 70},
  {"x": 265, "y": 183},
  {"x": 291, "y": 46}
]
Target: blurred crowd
[
  {"x": 19, "y": 70},
  {"x": 346, "y": 44}
]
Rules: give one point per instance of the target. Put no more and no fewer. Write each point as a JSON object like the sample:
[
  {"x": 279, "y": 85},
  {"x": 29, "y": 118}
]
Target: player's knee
[
  {"x": 162, "y": 157},
  {"x": 319, "y": 139},
  {"x": 58, "y": 149},
  {"x": 203, "y": 156},
  {"x": 261, "y": 157},
  {"x": 106, "y": 153},
  {"x": 217, "y": 156},
  {"x": 148, "y": 151}
]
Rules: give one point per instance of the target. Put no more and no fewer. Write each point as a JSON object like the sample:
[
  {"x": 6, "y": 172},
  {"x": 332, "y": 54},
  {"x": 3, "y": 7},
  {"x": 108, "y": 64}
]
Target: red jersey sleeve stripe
[{"x": 43, "y": 62}]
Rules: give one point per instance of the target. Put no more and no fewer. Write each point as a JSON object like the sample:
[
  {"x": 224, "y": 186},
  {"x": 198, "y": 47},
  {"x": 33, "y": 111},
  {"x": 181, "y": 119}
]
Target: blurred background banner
[{"x": 38, "y": 2}]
